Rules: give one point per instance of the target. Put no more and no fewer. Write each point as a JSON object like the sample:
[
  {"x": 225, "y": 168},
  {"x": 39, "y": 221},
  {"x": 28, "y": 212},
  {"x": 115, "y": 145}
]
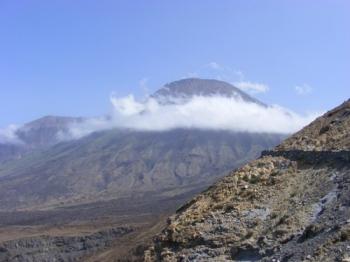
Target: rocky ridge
[
  {"x": 329, "y": 132},
  {"x": 291, "y": 204}
]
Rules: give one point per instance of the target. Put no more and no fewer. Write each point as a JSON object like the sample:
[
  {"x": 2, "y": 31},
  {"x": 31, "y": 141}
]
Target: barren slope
[{"x": 292, "y": 204}]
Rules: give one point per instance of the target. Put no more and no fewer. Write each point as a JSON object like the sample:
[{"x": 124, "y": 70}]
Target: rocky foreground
[{"x": 292, "y": 204}]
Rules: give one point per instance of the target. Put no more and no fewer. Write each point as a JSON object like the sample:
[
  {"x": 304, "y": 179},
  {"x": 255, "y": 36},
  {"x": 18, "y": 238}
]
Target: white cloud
[
  {"x": 303, "y": 89},
  {"x": 127, "y": 106},
  {"x": 215, "y": 113},
  {"x": 252, "y": 87},
  {"x": 8, "y": 135},
  {"x": 230, "y": 75},
  {"x": 214, "y": 65},
  {"x": 239, "y": 74}
]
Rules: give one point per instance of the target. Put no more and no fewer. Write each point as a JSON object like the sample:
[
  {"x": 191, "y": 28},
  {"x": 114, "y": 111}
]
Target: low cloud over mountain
[
  {"x": 195, "y": 103},
  {"x": 188, "y": 103},
  {"x": 8, "y": 135},
  {"x": 214, "y": 112}
]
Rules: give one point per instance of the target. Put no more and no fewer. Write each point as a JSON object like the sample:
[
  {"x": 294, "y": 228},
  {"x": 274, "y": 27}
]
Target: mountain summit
[{"x": 191, "y": 87}]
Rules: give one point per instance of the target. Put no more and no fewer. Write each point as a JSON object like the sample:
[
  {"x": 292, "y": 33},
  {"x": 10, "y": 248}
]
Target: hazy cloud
[
  {"x": 8, "y": 135},
  {"x": 236, "y": 77},
  {"x": 239, "y": 74},
  {"x": 216, "y": 113},
  {"x": 214, "y": 65},
  {"x": 303, "y": 89},
  {"x": 252, "y": 87},
  {"x": 143, "y": 85}
]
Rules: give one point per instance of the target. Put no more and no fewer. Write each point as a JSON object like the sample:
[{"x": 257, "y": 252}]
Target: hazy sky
[{"x": 68, "y": 57}]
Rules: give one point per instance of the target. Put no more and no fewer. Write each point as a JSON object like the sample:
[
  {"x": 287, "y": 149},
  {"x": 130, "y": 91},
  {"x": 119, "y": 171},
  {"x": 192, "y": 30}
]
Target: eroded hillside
[{"x": 292, "y": 204}]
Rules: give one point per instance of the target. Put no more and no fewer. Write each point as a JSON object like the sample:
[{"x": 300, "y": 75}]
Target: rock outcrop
[
  {"x": 59, "y": 248},
  {"x": 329, "y": 132},
  {"x": 291, "y": 204}
]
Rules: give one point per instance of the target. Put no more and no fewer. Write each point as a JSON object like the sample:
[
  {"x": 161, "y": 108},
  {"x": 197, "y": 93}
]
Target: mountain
[
  {"x": 190, "y": 87},
  {"x": 44, "y": 132},
  {"x": 47, "y": 131},
  {"x": 38, "y": 134},
  {"x": 120, "y": 163},
  {"x": 291, "y": 204},
  {"x": 118, "y": 180}
]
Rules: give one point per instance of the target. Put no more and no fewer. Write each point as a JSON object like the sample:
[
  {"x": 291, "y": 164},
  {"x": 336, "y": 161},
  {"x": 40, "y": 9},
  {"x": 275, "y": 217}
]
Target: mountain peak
[{"x": 190, "y": 87}]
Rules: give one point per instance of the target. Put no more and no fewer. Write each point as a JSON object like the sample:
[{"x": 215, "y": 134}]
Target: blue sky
[{"x": 67, "y": 57}]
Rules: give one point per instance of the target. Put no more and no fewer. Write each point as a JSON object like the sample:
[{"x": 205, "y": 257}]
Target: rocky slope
[
  {"x": 291, "y": 204},
  {"x": 328, "y": 132}
]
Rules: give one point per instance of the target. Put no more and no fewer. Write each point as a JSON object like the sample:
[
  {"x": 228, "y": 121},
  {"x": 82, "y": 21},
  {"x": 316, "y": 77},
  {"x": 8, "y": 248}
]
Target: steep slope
[
  {"x": 328, "y": 132},
  {"x": 291, "y": 204}
]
